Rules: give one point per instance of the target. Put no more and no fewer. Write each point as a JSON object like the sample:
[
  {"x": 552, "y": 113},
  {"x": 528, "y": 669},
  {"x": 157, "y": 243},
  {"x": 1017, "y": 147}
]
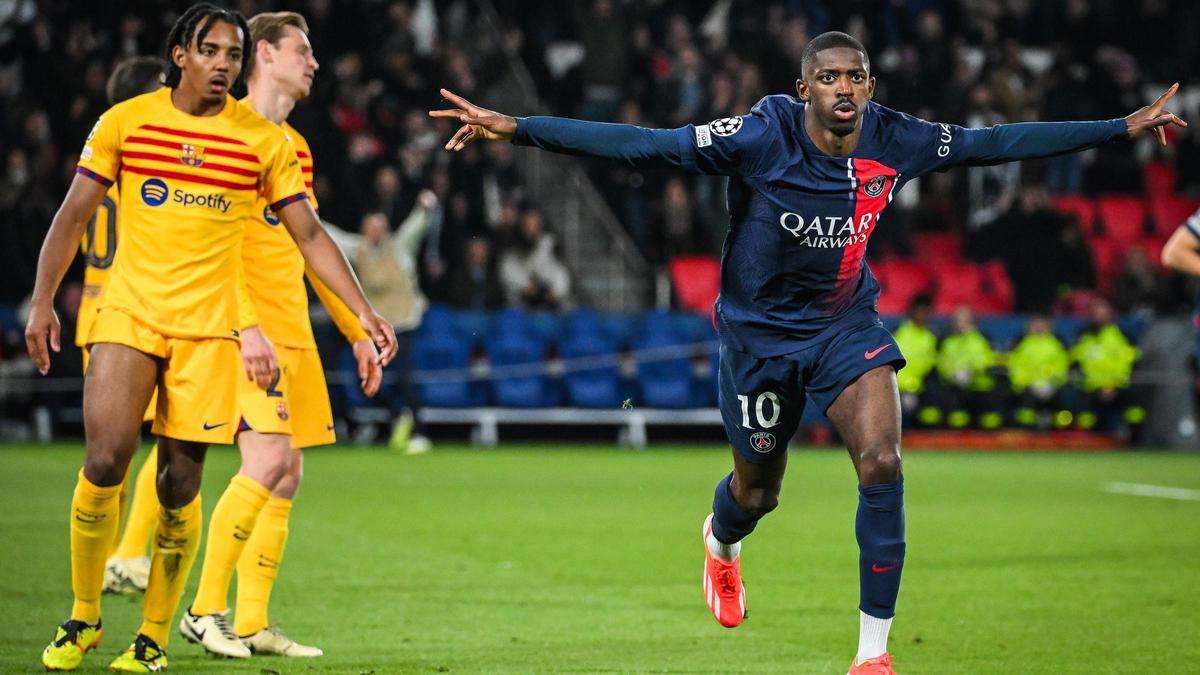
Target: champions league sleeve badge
[{"x": 726, "y": 126}]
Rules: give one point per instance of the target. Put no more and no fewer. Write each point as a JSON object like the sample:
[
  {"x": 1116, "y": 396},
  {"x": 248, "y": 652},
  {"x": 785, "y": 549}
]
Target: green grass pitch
[{"x": 588, "y": 559}]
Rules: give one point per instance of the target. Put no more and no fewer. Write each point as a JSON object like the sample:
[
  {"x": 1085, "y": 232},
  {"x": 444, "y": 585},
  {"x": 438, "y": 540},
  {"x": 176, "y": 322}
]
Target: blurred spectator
[
  {"x": 1044, "y": 252},
  {"x": 532, "y": 274},
  {"x": 965, "y": 364},
  {"x": 1037, "y": 370},
  {"x": 1137, "y": 287},
  {"x": 475, "y": 282},
  {"x": 1106, "y": 360},
  {"x": 918, "y": 382},
  {"x": 386, "y": 264}
]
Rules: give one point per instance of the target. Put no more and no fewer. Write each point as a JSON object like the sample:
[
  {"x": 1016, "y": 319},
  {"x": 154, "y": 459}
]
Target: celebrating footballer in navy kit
[{"x": 810, "y": 179}]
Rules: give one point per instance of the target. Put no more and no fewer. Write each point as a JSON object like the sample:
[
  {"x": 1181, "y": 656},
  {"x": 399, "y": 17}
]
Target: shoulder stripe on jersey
[
  {"x": 248, "y": 173},
  {"x": 218, "y": 152},
  {"x": 203, "y": 180},
  {"x": 308, "y": 184},
  {"x": 94, "y": 176},
  {"x": 288, "y": 200},
  {"x": 193, "y": 134},
  {"x": 306, "y": 169},
  {"x": 302, "y": 154}
]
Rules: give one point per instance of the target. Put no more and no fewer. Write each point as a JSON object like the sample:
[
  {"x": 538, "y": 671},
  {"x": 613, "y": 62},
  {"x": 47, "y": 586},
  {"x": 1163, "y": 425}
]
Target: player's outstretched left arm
[
  {"x": 58, "y": 250},
  {"x": 327, "y": 261},
  {"x": 1154, "y": 118}
]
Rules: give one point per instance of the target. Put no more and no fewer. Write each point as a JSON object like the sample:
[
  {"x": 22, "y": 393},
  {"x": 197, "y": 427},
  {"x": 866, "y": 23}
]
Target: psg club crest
[
  {"x": 762, "y": 441},
  {"x": 192, "y": 155},
  {"x": 874, "y": 187},
  {"x": 726, "y": 126}
]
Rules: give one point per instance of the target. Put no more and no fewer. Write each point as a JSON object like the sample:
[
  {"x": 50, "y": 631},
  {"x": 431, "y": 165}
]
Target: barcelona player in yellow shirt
[
  {"x": 128, "y": 568},
  {"x": 191, "y": 163},
  {"x": 249, "y": 526}
]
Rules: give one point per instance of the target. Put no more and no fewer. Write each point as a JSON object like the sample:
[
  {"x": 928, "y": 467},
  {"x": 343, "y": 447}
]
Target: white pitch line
[{"x": 1161, "y": 491}]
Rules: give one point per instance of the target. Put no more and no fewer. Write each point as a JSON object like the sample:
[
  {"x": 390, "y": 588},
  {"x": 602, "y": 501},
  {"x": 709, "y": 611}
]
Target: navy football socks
[
  {"x": 730, "y": 522},
  {"x": 879, "y": 529}
]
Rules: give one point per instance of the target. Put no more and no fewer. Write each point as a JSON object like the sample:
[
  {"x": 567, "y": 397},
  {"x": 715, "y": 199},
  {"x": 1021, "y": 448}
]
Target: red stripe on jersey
[
  {"x": 193, "y": 134},
  {"x": 306, "y": 169},
  {"x": 308, "y": 184},
  {"x": 874, "y": 182},
  {"x": 203, "y": 180},
  {"x": 143, "y": 140},
  {"x": 302, "y": 154},
  {"x": 248, "y": 173}
]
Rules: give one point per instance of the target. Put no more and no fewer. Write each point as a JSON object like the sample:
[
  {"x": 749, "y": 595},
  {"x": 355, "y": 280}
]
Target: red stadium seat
[
  {"x": 1169, "y": 212},
  {"x": 1123, "y": 217},
  {"x": 1152, "y": 246},
  {"x": 900, "y": 281},
  {"x": 1160, "y": 179},
  {"x": 938, "y": 247},
  {"x": 1082, "y": 208},
  {"x": 1108, "y": 255},
  {"x": 984, "y": 288},
  {"x": 697, "y": 281}
]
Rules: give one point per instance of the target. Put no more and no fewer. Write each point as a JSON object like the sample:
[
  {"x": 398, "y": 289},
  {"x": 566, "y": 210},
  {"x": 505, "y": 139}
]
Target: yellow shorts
[
  {"x": 297, "y": 403},
  {"x": 150, "y": 409},
  {"x": 197, "y": 395}
]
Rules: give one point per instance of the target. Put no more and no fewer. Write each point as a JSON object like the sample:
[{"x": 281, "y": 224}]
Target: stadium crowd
[{"x": 667, "y": 63}]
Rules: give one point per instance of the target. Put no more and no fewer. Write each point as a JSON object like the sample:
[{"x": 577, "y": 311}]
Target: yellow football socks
[
  {"x": 175, "y": 546},
  {"x": 229, "y": 529},
  {"x": 95, "y": 512},
  {"x": 259, "y": 565},
  {"x": 143, "y": 511}
]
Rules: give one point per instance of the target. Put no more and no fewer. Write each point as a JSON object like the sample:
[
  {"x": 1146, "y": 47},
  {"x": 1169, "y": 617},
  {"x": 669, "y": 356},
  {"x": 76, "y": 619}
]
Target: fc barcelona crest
[
  {"x": 281, "y": 410},
  {"x": 874, "y": 187},
  {"x": 192, "y": 155}
]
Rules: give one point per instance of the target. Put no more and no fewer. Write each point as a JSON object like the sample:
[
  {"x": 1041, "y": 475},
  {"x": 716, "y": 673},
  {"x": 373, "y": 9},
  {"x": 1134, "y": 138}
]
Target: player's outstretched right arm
[
  {"x": 698, "y": 149},
  {"x": 58, "y": 250}
]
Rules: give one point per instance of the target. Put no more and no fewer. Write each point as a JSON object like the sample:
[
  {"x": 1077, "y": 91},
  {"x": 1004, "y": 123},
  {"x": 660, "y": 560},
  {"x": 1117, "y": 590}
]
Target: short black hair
[
  {"x": 181, "y": 36},
  {"x": 831, "y": 40},
  {"x": 134, "y": 76}
]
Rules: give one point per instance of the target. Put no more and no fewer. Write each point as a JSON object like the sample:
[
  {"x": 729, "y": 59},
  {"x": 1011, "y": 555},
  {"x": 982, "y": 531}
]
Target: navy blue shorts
[{"x": 762, "y": 399}]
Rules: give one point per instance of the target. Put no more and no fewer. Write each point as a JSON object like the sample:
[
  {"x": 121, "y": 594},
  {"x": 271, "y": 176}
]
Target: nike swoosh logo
[
  {"x": 200, "y": 635},
  {"x": 880, "y": 570},
  {"x": 875, "y": 352},
  {"x": 210, "y": 427}
]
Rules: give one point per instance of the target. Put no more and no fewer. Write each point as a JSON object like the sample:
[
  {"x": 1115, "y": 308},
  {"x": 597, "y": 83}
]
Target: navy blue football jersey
[{"x": 793, "y": 267}]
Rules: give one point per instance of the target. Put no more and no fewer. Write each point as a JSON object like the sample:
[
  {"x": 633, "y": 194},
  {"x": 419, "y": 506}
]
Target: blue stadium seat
[
  {"x": 664, "y": 382},
  {"x": 620, "y": 326},
  {"x": 1003, "y": 332},
  {"x": 595, "y": 387},
  {"x": 438, "y": 320},
  {"x": 441, "y": 352},
  {"x": 524, "y": 351},
  {"x": 474, "y": 325}
]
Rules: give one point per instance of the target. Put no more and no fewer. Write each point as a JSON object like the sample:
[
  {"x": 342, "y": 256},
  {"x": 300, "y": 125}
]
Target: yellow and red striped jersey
[
  {"x": 188, "y": 184},
  {"x": 275, "y": 271}
]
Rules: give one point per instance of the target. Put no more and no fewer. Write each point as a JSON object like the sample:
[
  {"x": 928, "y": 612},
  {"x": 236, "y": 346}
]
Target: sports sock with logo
[
  {"x": 259, "y": 566},
  {"x": 143, "y": 511},
  {"x": 730, "y": 522},
  {"x": 175, "y": 544},
  {"x": 879, "y": 528},
  {"x": 94, "y": 520},
  {"x": 229, "y": 529}
]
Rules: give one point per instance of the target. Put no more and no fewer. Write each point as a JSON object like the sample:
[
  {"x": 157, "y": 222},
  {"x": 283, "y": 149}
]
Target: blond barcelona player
[{"x": 249, "y": 525}]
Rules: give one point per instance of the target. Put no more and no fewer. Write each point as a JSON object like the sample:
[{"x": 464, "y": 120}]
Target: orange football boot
[{"x": 723, "y": 588}]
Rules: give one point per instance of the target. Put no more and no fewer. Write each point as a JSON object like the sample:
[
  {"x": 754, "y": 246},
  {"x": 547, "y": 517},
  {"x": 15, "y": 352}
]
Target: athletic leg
[
  {"x": 867, "y": 416},
  {"x": 116, "y": 391}
]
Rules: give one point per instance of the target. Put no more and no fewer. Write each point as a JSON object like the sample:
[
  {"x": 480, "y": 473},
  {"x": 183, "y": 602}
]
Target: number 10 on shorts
[{"x": 764, "y": 422}]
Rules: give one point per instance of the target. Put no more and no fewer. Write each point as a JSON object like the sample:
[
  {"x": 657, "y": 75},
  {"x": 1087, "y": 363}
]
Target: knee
[
  {"x": 879, "y": 463},
  {"x": 758, "y": 502},
  {"x": 105, "y": 467}
]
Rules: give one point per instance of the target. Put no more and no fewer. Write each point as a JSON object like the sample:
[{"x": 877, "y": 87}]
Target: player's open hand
[
  {"x": 477, "y": 122},
  {"x": 382, "y": 334},
  {"x": 370, "y": 373},
  {"x": 41, "y": 327},
  {"x": 259, "y": 357},
  {"x": 1154, "y": 118}
]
